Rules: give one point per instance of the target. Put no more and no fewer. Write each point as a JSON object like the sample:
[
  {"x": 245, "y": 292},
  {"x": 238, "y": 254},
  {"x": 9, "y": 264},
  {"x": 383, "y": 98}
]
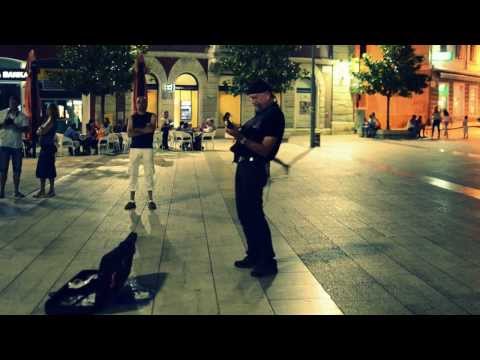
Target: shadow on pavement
[{"x": 138, "y": 292}]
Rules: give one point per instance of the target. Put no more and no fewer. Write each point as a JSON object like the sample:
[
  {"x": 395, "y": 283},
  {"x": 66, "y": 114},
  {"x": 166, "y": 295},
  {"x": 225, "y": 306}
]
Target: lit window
[
  {"x": 458, "y": 52},
  {"x": 443, "y": 48},
  {"x": 363, "y": 50},
  {"x": 330, "y": 51},
  {"x": 473, "y": 53}
]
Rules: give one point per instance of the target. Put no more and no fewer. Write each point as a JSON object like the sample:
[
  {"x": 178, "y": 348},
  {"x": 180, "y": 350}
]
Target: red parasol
[
  {"x": 139, "y": 83},
  {"x": 31, "y": 98}
]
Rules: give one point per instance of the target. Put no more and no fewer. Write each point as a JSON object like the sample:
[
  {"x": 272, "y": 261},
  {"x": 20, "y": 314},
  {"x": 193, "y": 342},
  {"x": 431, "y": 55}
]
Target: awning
[{"x": 459, "y": 77}]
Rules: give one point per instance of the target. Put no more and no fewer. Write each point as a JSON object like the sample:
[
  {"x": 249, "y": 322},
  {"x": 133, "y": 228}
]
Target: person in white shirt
[
  {"x": 12, "y": 124},
  {"x": 465, "y": 127},
  {"x": 446, "y": 121},
  {"x": 165, "y": 128}
]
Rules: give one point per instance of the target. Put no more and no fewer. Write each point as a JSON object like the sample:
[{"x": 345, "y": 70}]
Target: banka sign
[{"x": 13, "y": 75}]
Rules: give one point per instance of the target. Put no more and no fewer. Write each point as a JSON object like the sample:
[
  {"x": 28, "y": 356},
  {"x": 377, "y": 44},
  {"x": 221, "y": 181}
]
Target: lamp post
[{"x": 313, "y": 101}]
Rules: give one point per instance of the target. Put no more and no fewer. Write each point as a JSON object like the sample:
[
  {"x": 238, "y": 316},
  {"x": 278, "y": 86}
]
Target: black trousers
[
  {"x": 165, "y": 139},
  {"x": 436, "y": 124},
  {"x": 250, "y": 179}
]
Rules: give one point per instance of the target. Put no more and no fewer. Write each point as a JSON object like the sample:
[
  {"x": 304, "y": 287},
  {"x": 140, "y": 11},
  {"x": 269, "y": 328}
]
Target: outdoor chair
[{"x": 208, "y": 138}]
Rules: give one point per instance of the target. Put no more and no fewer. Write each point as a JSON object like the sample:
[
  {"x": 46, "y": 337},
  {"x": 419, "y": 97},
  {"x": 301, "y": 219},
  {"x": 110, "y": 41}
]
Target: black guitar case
[{"x": 92, "y": 290}]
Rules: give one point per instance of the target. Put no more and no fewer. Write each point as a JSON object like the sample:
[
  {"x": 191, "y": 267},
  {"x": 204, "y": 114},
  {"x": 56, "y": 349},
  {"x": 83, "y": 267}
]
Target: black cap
[{"x": 258, "y": 86}]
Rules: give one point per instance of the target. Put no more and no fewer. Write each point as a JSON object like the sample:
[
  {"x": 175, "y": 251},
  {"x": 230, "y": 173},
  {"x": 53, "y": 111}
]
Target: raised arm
[{"x": 45, "y": 128}]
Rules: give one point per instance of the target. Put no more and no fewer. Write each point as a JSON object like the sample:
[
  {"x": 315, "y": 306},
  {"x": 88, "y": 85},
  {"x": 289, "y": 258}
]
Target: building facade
[
  {"x": 454, "y": 71},
  {"x": 181, "y": 82},
  {"x": 12, "y": 80}
]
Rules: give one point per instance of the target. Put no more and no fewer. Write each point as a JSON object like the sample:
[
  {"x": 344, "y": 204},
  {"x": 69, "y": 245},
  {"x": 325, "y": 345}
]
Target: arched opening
[{"x": 186, "y": 100}]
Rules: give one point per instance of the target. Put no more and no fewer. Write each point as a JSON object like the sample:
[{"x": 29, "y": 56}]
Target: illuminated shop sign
[
  {"x": 13, "y": 75},
  {"x": 169, "y": 87},
  {"x": 442, "y": 56}
]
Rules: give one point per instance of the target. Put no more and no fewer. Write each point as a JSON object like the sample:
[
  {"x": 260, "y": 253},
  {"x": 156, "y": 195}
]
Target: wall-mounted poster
[{"x": 304, "y": 107}]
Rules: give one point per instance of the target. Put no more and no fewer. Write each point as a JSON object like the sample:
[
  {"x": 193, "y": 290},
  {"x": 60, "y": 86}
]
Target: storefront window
[
  {"x": 473, "y": 53},
  {"x": 458, "y": 99},
  {"x": 152, "y": 94},
  {"x": 443, "y": 93},
  {"x": 186, "y": 100}
]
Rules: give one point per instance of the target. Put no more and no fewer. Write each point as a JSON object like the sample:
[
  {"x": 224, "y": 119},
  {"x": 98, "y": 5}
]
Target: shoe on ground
[
  {"x": 19, "y": 195},
  {"x": 39, "y": 195},
  {"x": 130, "y": 205},
  {"x": 151, "y": 205},
  {"x": 246, "y": 263},
  {"x": 265, "y": 270}
]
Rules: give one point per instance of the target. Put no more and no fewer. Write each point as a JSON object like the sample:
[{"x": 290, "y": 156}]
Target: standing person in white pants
[{"x": 141, "y": 127}]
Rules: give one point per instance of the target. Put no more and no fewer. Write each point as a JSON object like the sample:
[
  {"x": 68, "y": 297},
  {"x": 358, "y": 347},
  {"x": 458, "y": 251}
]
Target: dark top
[
  {"x": 144, "y": 141},
  {"x": 48, "y": 139},
  {"x": 267, "y": 122},
  {"x": 167, "y": 125}
]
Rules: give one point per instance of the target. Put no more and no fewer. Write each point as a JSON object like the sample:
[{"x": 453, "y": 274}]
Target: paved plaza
[{"x": 360, "y": 226}]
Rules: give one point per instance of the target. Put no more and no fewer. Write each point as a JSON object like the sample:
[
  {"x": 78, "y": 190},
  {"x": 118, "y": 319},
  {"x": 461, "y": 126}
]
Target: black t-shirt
[
  {"x": 267, "y": 122},
  {"x": 144, "y": 141}
]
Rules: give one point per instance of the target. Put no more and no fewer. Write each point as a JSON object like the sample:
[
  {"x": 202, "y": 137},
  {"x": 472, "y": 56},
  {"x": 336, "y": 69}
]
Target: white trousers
[{"x": 144, "y": 156}]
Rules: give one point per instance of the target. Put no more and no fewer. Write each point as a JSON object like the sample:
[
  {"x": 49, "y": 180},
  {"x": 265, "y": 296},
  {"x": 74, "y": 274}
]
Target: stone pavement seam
[
  {"x": 45, "y": 248},
  {"x": 59, "y": 206},
  {"x": 165, "y": 230},
  {"x": 206, "y": 238},
  {"x": 340, "y": 247},
  {"x": 73, "y": 257}
]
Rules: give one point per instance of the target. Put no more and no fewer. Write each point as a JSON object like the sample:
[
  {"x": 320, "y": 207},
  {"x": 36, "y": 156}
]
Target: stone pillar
[
  {"x": 288, "y": 107},
  {"x": 342, "y": 117},
  {"x": 86, "y": 99},
  {"x": 211, "y": 98}
]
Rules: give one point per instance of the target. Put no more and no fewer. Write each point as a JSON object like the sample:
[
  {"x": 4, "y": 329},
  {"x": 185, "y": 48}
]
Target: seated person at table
[
  {"x": 207, "y": 126},
  {"x": 412, "y": 125},
  {"x": 72, "y": 134},
  {"x": 92, "y": 141},
  {"x": 372, "y": 125}
]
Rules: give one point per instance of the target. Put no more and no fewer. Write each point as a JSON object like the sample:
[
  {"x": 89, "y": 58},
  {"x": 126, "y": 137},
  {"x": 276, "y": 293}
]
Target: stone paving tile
[
  {"x": 361, "y": 232},
  {"x": 305, "y": 307}
]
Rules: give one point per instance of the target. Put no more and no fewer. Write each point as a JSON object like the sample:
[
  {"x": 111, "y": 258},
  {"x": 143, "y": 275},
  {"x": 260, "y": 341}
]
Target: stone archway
[
  {"x": 156, "y": 69},
  {"x": 193, "y": 67}
]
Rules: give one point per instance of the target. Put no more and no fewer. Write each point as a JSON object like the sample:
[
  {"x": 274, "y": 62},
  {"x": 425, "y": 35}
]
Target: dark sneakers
[
  {"x": 151, "y": 205},
  {"x": 19, "y": 195},
  {"x": 130, "y": 205},
  {"x": 246, "y": 263},
  {"x": 262, "y": 270}
]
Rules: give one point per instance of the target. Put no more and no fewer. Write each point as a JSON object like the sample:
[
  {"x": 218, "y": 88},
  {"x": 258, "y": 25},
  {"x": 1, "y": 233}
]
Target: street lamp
[{"x": 313, "y": 101}]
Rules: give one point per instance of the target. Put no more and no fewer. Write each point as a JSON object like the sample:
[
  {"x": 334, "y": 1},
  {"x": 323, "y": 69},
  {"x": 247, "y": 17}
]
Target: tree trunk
[
  {"x": 388, "y": 112},
  {"x": 102, "y": 108}
]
